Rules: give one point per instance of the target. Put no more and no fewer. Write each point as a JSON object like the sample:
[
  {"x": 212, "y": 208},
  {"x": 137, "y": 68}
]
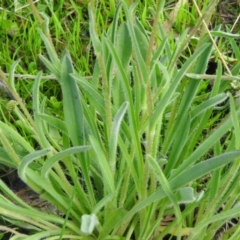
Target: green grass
[{"x": 123, "y": 130}]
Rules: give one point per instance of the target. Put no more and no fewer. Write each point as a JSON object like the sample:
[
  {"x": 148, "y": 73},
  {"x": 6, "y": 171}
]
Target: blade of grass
[
  {"x": 43, "y": 141},
  {"x": 48, "y": 164},
  {"x": 11, "y": 152},
  {"x": 187, "y": 176},
  {"x": 163, "y": 103},
  {"x": 29, "y": 159},
  {"x": 168, "y": 191},
  {"x": 114, "y": 135},
  {"x": 206, "y": 145},
  {"x": 104, "y": 166},
  {"x": 230, "y": 214},
  {"x": 132, "y": 115}
]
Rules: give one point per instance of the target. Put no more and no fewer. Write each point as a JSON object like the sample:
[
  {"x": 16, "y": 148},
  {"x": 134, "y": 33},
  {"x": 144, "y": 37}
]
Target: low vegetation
[{"x": 122, "y": 118}]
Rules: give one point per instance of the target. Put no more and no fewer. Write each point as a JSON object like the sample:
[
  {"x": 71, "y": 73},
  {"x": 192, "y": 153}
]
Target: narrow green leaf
[
  {"x": 142, "y": 41},
  {"x": 218, "y": 80},
  {"x": 115, "y": 133},
  {"x": 90, "y": 120},
  {"x": 55, "y": 122},
  {"x": 202, "y": 168},
  {"x": 224, "y": 215},
  {"x": 165, "y": 100},
  {"x": 212, "y": 77},
  {"x": 235, "y": 234},
  {"x": 190, "y": 90},
  {"x": 53, "y": 69},
  {"x": 48, "y": 192},
  {"x": 205, "y": 105},
  {"x": 92, "y": 30},
  {"x": 29, "y": 159},
  {"x": 94, "y": 96},
  {"x": 10, "y": 132},
  {"x": 11, "y": 75},
  {"x": 60, "y": 156},
  {"x": 110, "y": 221},
  {"x": 102, "y": 203},
  {"x": 124, "y": 45},
  {"x": 185, "y": 178},
  {"x": 165, "y": 184},
  {"x": 203, "y": 120},
  {"x": 235, "y": 48},
  {"x": 73, "y": 113},
  {"x": 28, "y": 215},
  {"x": 51, "y": 52},
  {"x": 180, "y": 142},
  {"x": 205, "y": 145},
  {"x": 36, "y": 108},
  {"x": 107, "y": 173},
  {"x": 5, "y": 158},
  {"x": 224, "y": 34},
  {"x": 138, "y": 46},
  {"x": 235, "y": 121},
  {"x": 159, "y": 51},
  {"x": 115, "y": 22},
  {"x": 11, "y": 195},
  {"x": 132, "y": 114},
  {"x": 42, "y": 235},
  {"x": 130, "y": 165},
  {"x": 8, "y": 147}
]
